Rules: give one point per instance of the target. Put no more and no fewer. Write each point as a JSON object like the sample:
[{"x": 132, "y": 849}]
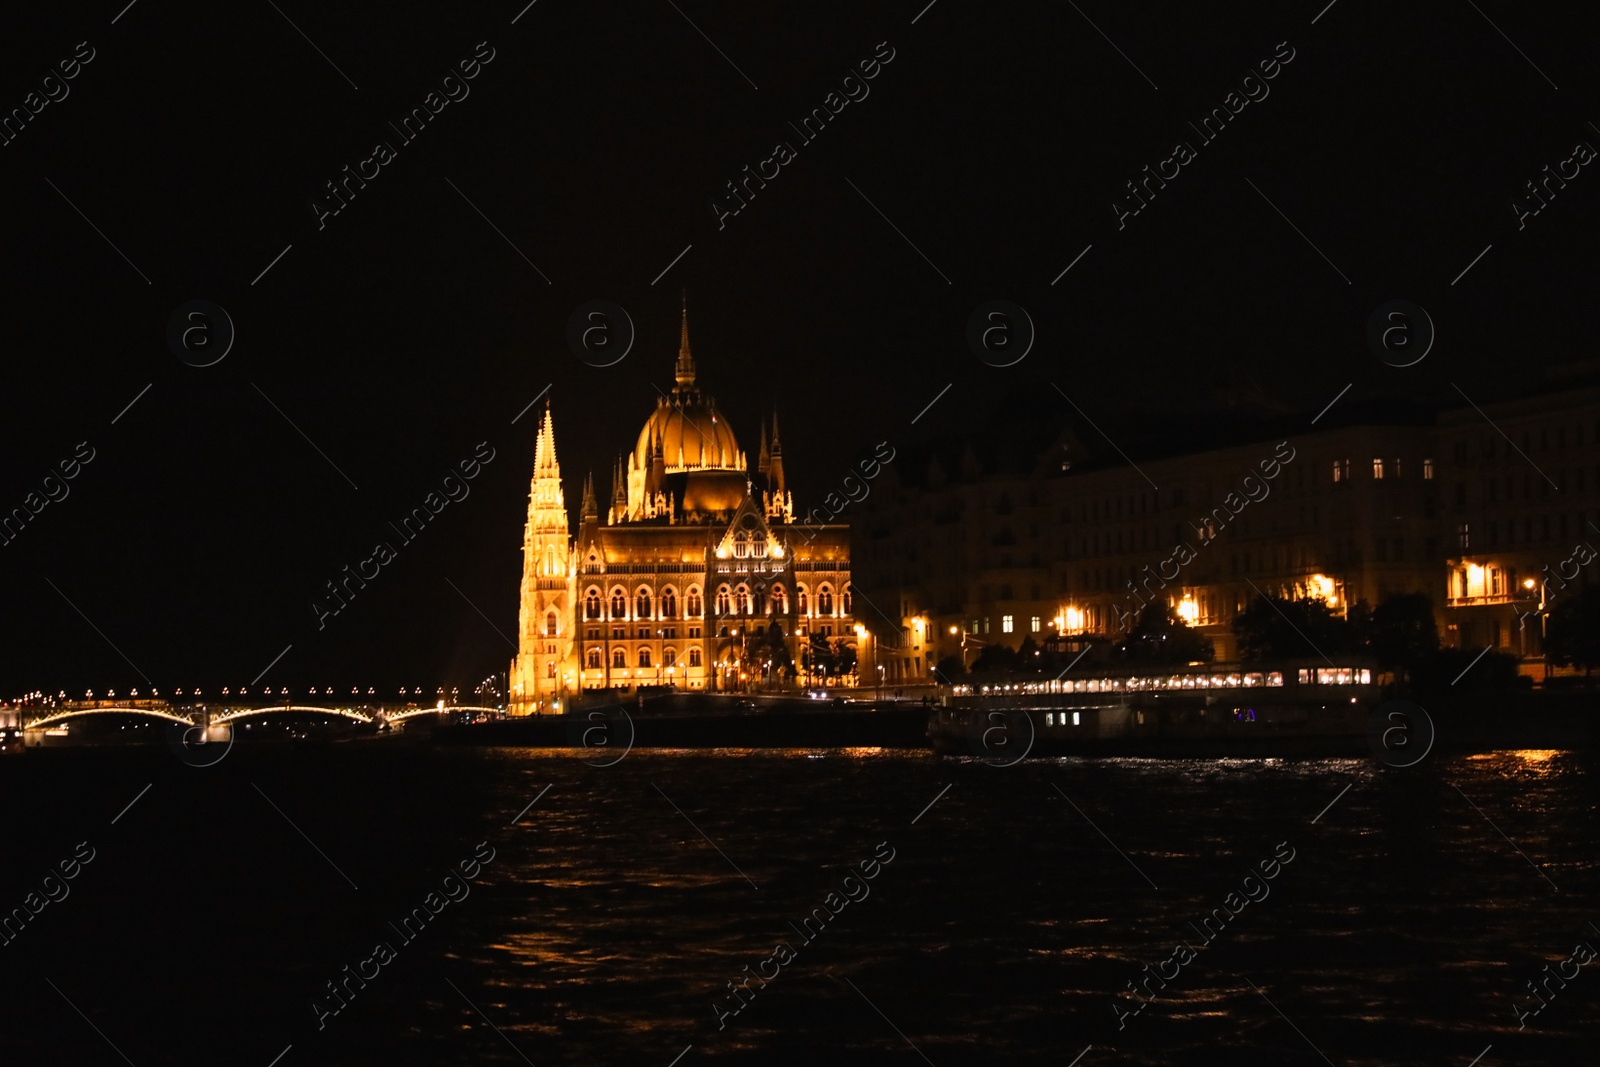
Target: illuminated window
[
  {"x": 1049, "y": 718},
  {"x": 723, "y": 603},
  {"x": 1463, "y": 536},
  {"x": 694, "y": 603},
  {"x": 550, "y": 624},
  {"x": 619, "y": 604},
  {"x": 669, "y": 656},
  {"x": 780, "y": 600},
  {"x": 1427, "y": 469},
  {"x": 1005, "y": 624},
  {"x": 593, "y": 660},
  {"x": 591, "y": 604},
  {"x": 1341, "y": 470},
  {"x": 641, "y": 604},
  {"x": 1075, "y": 718},
  {"x": 846, "y": 600},
  {"x": 741, "y": 600},
  {"x": 694, "y": 657},
  {"x": 644, "y": 657},
  {"x": 1034, "y": 623},
  {"x": 550, "y": 669},
  {"x": 669, "y": 604},
  {"x": 619, "y": 658},
  {"x": 824, "y": 601},
  {"x": 1377, "y": 469}
]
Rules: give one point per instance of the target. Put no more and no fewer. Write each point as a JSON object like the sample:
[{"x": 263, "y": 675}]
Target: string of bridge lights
[{"x": 40, "y": 697}]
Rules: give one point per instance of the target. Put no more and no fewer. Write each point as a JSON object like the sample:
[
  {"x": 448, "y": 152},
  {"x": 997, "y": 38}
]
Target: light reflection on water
[{"x": 1007, "y": 925}]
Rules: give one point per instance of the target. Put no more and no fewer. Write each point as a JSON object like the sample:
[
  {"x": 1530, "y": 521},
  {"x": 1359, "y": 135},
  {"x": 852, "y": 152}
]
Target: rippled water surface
[{"x": 1016, "y": 906}]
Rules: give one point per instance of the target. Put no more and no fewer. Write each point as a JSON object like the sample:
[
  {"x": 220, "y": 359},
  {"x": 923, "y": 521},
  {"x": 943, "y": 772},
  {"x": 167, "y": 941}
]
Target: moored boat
[{"x": 1288, "y": 708}]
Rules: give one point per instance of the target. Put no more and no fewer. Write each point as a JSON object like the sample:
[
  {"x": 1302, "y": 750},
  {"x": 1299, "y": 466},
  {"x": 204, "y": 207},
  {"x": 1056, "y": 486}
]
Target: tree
[
  {"x": 995, "y": 659},
  {"x": 1401, "y": 632},
  {"x": 844, "y": 657},
  {"x": 1275, "y": 628},
  {"x": 950, "y": 671},
  {"x": 819, "y": 654},
  {"x": 1162, "y": 636},
  {"x": 1572, "y": 632},
  {"x": 776, "y": 652},
  {"x": 1029, "y": 658}
]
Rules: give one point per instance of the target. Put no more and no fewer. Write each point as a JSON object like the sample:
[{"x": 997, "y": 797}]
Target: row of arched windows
[
  {"x": 730, "y": 600},
  {"x": 619, "y": 658},
  {"x": 642, "y": 604}
]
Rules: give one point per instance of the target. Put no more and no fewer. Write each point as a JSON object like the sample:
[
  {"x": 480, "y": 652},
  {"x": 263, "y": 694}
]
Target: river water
[{"x": 1006, "y": 912}]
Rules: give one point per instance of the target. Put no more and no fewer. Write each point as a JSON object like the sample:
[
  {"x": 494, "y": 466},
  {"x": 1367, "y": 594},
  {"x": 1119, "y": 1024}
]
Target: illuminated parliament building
[{"x": 695, "y": 575}]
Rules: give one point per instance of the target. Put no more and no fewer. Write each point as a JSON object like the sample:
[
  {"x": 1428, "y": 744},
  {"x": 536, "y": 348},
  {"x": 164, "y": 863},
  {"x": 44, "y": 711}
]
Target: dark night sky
[{"x": 406, "y": 331}]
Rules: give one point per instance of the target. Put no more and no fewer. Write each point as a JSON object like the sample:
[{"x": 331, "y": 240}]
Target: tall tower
[{"x": 539, "y": 674}]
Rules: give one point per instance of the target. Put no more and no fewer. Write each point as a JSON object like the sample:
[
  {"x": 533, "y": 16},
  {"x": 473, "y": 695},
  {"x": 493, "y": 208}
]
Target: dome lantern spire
[{"x": 685, "y": 368}]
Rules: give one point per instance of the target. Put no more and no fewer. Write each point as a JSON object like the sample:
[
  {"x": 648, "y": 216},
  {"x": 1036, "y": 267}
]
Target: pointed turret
[
  {"x": 775, "y": 460},
  {"x": 761, "y": 463},
  {"x": 591, "y": 508},
  {"x": 619, "y": 487}
]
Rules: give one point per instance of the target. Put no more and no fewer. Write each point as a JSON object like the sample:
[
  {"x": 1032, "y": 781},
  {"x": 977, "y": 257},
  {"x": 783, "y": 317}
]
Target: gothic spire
[
  {"x": 685, "y": 369},
  {"x": 591, "y": 509}
]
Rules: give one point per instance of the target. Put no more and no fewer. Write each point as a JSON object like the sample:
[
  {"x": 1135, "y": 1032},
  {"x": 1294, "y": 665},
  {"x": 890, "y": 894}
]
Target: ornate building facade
[{"x": 695, "y": 575}]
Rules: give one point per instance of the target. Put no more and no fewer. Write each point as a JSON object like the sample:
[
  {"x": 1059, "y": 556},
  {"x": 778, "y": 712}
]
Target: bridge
[{"x": 205, "y": 716}]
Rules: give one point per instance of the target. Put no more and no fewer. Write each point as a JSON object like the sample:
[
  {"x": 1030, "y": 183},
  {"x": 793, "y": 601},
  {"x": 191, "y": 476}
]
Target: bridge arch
[{"x": 62, "y": 716}]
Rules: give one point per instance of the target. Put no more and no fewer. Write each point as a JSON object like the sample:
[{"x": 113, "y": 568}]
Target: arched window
[
  {"x": 824, "y": 601},
  {"x": 669, "y": 603},
  {"x": 619, "y": 604},
  {"x": 694, "y": 603},
  {"x": 550, "y": 624},
  {"x": 722, "y": 600},
  {"x": 591, "y": 604},
  {"x": 669, "y": 657},
  {"x": 741, "y": 600},
  {"x": 780, "y": 600},
  {"x": 800, "y": 600},
  {"x": 593, "y": 662},
  {"x": 741, "y": 544},
  {"x": 644, "y": 657},
  {"x": 619, "y": 658},
  {"x": 848, "y": 597},
  {"x": 550, "y": 669},
  {"x": 641, "y": 604},
  {"x": 694, "y": 657}
]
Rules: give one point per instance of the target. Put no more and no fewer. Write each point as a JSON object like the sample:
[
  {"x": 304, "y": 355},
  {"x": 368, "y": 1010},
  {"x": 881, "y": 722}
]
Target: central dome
[
  {"x": 690, "y": 432},
  {"x": 686, "y": 426}
]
